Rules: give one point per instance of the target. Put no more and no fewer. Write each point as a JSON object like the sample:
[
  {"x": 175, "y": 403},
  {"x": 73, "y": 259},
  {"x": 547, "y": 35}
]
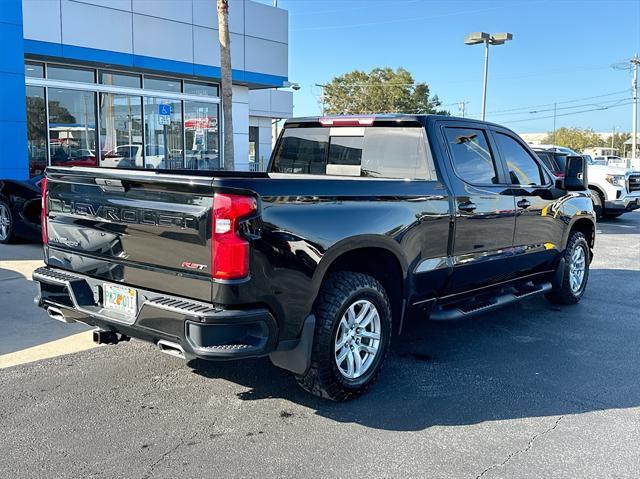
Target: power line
[
  {"x": 567, "y": 114},
  {"x": 511, "y": 110},
  {"x": 572, "y": 107}
]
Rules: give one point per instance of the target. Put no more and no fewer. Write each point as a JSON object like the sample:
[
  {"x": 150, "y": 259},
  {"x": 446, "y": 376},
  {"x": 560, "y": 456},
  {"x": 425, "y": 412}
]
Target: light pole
[
  {"x": 488, "y": 39},
  {"x": 635, "y": 61}
]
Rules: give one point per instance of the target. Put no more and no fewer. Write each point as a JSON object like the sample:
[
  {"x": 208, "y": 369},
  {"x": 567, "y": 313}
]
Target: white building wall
[
  {"x": 265, "y": 137},
  {"x": 240, "y": 113}
]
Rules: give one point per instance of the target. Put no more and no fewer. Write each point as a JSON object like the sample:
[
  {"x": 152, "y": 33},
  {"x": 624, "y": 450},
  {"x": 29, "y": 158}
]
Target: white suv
[{"x": 614, "y": 190}]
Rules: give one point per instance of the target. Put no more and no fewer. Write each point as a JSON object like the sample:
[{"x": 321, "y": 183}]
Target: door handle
[
  {"x": 523, "y": 204},
  {"x": 467, "y": 207}
]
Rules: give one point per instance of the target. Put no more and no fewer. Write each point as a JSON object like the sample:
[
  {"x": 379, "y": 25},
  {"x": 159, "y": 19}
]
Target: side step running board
[{"x": 463, "y": 310}]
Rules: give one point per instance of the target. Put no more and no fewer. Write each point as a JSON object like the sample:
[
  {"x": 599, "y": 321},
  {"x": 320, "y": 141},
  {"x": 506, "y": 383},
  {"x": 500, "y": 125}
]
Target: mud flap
[{"x": 298, "y": 358}]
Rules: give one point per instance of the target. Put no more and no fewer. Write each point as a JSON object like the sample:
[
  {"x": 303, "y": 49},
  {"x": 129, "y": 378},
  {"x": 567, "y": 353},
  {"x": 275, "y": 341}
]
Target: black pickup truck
[{"x": 359, "y": 223}]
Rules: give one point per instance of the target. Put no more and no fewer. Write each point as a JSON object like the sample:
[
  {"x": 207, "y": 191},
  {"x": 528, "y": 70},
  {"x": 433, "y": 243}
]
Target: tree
[
  {"x": 575, "y": 138},
  {"x": 618, "y": 141},
  {"x": 381, "y": 90},
  {"x": 225, "y": 81}
]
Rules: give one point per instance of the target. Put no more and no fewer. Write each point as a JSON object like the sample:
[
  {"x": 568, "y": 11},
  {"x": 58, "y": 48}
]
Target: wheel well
[
  {"x": 587, "y": 228},
  {"x": 381, "y": 264},
  {"x": 598, "y": 190}
]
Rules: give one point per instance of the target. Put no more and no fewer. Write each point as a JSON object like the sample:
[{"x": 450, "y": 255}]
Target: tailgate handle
[{"x": 107, "y": 184}]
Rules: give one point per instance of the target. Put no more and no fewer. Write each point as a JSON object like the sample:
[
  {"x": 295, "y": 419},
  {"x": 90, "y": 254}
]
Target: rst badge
[{"x": 196, "y": 266}]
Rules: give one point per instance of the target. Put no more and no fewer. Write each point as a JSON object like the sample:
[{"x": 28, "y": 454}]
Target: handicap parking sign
[{"x": 164, "y": 114}]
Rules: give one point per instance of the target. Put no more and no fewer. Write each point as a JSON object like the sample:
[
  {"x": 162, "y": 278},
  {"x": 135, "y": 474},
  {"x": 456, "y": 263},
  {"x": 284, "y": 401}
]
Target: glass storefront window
[
  {"x": 34, "y": 70},
  {"x": 72, "y": 127},
  {"x": 162, "y": 84},
  {"x": 200, "y": 89},
  {"x": 201, "y": 135},
  {"x": 121, "y": 131},
  {"x": 163, "y": 133},
  {"x": 135, "y": 131},
  {"x": 119, "y": 79},
  {"x": 36, "y": 130},
  {"x": 254, "y": 141},
  {"x": 58, "y": 72}
]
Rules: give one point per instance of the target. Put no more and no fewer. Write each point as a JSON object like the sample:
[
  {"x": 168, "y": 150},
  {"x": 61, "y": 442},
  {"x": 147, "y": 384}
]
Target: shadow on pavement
[{"x": 530, "y": 359}]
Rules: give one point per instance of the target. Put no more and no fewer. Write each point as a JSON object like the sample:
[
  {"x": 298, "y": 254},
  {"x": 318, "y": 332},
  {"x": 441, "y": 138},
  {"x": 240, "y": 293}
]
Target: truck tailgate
[{"x": 140, "y": 228}]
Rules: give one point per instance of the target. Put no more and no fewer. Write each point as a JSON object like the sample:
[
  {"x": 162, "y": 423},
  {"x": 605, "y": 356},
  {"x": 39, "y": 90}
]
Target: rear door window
[{"x": 472, "y": 158}]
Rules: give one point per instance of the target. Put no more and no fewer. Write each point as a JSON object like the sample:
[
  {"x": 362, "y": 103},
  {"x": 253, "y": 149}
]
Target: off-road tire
[
  {"x": 339, "y": 291},
  {"x": 564, "y": 294}
]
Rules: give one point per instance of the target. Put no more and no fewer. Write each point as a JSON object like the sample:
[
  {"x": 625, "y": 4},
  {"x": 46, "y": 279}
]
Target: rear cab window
[{"x": 395, "y": 152}]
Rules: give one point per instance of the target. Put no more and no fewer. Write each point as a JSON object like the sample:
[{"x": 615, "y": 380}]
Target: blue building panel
[
  {"x": 11, "y": 12},
  {"x": 14, "y": 162},
  {"x": 13, "y": 153},
  {"x": 12, "y": 50}
]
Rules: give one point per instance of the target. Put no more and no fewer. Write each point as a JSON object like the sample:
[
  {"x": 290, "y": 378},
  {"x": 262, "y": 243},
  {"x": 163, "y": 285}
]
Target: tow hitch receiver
[{"x": 101, "y": 336}]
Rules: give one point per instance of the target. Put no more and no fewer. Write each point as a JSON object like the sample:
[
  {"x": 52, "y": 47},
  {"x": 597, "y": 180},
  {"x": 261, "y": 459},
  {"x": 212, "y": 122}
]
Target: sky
[{"x": 562, "y": 51}]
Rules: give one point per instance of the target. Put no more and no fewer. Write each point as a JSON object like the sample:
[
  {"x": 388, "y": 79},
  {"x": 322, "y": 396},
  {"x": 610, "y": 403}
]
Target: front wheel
[
  {"x": 352, "y": 336},
  {"x": 598, "y": 203},
  {"x": 577, "y": 257},
  {"x": 6, "y": 224}
]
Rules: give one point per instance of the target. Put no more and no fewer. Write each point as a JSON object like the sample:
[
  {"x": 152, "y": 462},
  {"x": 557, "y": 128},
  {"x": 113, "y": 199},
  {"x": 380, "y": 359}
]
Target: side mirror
[{"x": 575, "y": 174}]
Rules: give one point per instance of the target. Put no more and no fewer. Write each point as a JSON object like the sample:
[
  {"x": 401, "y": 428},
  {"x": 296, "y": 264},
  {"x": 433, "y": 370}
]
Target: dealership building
[{"x": 135, "y": 83}]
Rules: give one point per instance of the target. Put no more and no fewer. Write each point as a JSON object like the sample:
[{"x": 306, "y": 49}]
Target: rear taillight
[
  {"x": 43, "y": 211},
  {"x": 229, "y": 250},
  {"x": 559, "y": 174}
]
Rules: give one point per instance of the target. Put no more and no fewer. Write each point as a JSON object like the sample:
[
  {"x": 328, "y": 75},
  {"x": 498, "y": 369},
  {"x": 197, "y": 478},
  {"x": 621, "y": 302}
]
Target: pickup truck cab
[{"x": 359, "y": 224}]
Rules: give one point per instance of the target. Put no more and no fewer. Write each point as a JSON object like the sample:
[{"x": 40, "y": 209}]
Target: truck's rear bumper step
[
  {"x": 469, "y": 308},
  {"x": 198, "y": 330}
]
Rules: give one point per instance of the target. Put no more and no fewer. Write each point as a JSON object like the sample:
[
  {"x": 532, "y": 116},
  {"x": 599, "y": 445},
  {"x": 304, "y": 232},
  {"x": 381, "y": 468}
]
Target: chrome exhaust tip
[
  {"x": 58, "y": 315},
  {"x": 172, "y": 349}
]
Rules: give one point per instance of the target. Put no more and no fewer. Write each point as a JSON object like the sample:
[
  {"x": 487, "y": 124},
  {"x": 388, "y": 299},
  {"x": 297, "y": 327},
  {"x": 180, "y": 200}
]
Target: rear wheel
[
  {"x": 352, "y": 336},
  {"x": 577, "y": 257},
  {"x": 6, "y": 224},
  {"x": 598, "y": 203}
]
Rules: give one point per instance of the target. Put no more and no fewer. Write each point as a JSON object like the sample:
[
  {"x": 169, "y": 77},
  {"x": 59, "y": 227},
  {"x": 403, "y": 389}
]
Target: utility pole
[
  {"x": 554, "y": 122},
  {"x": 613, "y": 136},
  {"x": 462, "y": 107},
  {"x": 635, "y": 61}
]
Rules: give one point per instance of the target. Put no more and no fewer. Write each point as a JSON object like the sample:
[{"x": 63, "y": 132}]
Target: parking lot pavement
[
  {"x": 22, "y": 324},
  {"x": 533, "y": 390}
]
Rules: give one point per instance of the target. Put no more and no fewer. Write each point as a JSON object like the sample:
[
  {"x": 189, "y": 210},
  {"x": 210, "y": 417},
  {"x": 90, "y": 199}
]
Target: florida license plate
[{"x": 120, "y": 299}]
